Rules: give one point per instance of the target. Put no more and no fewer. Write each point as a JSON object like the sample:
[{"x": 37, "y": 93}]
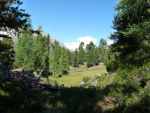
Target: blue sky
[{"x": 71, "y": 21}]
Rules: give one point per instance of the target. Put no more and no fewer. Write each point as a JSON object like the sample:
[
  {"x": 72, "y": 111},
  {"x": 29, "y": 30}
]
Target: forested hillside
[{"x": 39, "y": 74}]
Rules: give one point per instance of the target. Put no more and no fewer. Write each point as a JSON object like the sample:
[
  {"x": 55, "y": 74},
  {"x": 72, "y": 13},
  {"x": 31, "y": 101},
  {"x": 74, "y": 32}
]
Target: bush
[
  {"x": 111, "y": 61},
  {"x": 111, "y": 66},
  {"x": 89, "y": 65},
  {"x": 130, "y": 86},
  {"x": 64, "y": 72},
  {"x": 59, "y": 75},
  {"x": 86, "y": 79}
]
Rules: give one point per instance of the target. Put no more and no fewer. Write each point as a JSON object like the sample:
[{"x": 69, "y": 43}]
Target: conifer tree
[
  {"x": 64, "y": 61},
  {"x": 132, "y": 39},
  {"x": 11, "y": 17},
  {"x": 81, "y": 53},
  {"x": 90, "y": 54},
  {"x": 76, "y": 58}
]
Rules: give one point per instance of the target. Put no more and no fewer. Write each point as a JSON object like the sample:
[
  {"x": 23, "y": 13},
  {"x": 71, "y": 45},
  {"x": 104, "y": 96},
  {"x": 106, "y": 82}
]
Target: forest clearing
[
  {"x": 76, "y": 75},
  {"x": 74, "y": 56}
]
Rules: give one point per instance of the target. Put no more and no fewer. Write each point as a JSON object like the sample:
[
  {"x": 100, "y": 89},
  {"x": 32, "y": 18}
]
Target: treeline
[{"x": 45, "y": 56}]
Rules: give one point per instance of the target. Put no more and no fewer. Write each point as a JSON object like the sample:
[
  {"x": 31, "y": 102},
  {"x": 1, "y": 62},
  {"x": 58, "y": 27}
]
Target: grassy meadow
[{"x": 76, "y": 75}]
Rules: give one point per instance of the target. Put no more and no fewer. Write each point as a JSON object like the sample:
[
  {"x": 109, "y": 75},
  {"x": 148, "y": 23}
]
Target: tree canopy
[
  {"x": 12, "y": 16},
  {"x": 132, "y": 37}
]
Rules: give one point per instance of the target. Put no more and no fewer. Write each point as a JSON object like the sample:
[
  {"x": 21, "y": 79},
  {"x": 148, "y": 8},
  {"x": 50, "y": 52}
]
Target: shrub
[{"x": 86, "y": 79}]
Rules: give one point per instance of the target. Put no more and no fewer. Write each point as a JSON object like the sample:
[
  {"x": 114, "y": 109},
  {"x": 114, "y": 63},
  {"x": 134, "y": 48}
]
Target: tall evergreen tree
[
  {"x": 11, "y": 17},
  {"x": 102, "y": 50},
  {"x": 24, "y": 52},
  {"x": 64, "y": 61},
  {"x": 76, "y": 58},
  {"x": 81, "y": 53},
  {"x": 59, "y": 59},
  {"x": 40, "y": 54},
  {"x": 54, "y": 58},
  {"x": 132, "y": 24},
  {"x": 90, "y": 54}
]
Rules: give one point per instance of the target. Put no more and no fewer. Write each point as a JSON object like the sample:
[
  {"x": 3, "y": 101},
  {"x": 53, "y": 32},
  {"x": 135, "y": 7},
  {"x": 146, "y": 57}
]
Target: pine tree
[
  {"x": 81, "y": 53},
  {"x": 54, "y": 58},
  {"x": 102, "y": 50},
  {"x": 132, "y": 38},
  {"x": 90, "y": 54},
  {"x": 12, "y": 17},
  {"x": 40, "y": 54},
  {"x": 76, "y": 58},
  {"x": 23, "y": 51},
  {"x": 64, "y": 61}
]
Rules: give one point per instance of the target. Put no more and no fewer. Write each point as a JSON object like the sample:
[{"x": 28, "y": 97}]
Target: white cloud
[
  {"x": 74, "y": 45},
  {"x": 71, "y": 45},
  {"x": 109, "y": 42}
]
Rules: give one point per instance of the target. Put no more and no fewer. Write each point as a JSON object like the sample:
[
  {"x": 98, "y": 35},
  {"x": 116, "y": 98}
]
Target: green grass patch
[{"x": 76, "y": 75}]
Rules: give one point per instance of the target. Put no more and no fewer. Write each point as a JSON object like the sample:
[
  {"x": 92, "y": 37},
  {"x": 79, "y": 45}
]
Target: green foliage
[
  {"x": 81, "y": 53},
  {"x": 58, "y": 59},
  {"x": 111, "y": 61},
  {"x": 127, "y": 91},
  {"x": 12, "y": 16},
  {"x": 40, "y": 53},
  {"x": 6, "y": 57},
  {"x": 24, "y": 52},
  {"x": 133, "y": 84},
  {"x": 103, "y": 48},
  {"x": 54, "y": 57},
  {"x": 75, "y": 59},
  {"x": 32, "y": 52},
  {"x": 6, "y": 53},
  {"x": 86, "y": 79},
  {"x": 18, "y": 97},
  {"x": 64, "y": 61},
  {"x": 91, "y": 55},
  {"x": 132, "y": 32},
  {"x": 107, "y": 56}
]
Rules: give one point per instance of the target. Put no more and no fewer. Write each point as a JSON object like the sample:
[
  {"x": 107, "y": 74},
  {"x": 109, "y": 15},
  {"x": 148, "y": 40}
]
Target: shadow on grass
[{"x": 20, "y": 97}]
